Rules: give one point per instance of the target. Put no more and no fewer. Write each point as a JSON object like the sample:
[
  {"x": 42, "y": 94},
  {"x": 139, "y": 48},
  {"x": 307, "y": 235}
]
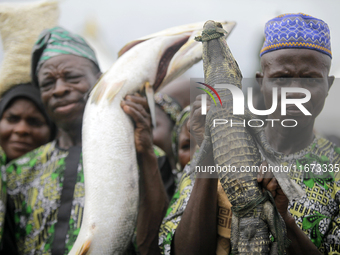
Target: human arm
[
  {"x": 153, "y": 200},
  {"x": 197, "y": 230},
  {"x": 300, "y": 243}
]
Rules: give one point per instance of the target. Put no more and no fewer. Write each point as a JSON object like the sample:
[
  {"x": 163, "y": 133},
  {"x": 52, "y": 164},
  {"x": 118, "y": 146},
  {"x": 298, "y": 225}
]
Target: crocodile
[{"x": 255, "y": 216}]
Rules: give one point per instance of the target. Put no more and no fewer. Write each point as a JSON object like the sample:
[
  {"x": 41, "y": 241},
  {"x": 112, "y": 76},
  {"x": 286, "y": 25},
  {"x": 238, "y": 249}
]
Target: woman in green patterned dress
[{"x": 24, "y": 126}]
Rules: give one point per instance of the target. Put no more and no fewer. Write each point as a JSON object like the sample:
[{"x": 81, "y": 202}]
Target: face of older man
[
  {"x": 301, "y": 68},
  {"x": 65, "y": 82}
]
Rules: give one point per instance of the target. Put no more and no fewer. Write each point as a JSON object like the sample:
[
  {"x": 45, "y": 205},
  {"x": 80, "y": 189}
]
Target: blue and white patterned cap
[{"x": 296, "y": 31}]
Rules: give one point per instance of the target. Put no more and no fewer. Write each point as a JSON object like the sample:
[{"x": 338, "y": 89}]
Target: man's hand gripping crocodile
[{"x": 254, "y": 212}]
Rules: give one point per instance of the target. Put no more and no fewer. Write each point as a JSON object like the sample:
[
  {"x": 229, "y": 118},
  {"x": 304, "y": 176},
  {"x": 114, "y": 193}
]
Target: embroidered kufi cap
[{"x": 296, "y": 31}]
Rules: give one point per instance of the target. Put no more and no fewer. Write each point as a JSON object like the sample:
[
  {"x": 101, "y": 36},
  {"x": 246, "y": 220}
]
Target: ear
[
  {"x": 259, "y": 79},
  {"x": 330, "y": 81}
]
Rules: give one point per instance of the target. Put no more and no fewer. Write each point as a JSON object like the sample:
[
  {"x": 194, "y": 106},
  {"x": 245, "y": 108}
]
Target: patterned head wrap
[
  {"x": 58, "y": 41},
  {"x": 296, "y": 31},
  {"x": 169, "y": 105},
  {"x": 181, "y": 120}
]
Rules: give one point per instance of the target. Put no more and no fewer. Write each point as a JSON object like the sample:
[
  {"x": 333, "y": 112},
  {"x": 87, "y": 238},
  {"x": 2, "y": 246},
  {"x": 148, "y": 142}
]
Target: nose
[
  {"x": 61, "y": 88},
  {"x": 22, "y": 128},
  {"x": 296, "y": 83}
]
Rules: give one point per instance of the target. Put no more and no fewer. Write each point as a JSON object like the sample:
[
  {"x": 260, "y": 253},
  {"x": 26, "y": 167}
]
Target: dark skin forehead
[
  {"x": 15, "y": 107},
  {"x": 66, "y": 64},
  {"x": 15, "y": 100},
  {"x": 284, "y": 61}
]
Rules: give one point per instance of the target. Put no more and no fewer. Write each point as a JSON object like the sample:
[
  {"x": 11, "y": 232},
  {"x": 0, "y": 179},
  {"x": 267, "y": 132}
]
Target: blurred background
[{"x": 109, "y": 24}]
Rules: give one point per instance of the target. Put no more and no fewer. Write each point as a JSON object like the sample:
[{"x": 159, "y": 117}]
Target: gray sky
[{"x": 122, "y": 21}]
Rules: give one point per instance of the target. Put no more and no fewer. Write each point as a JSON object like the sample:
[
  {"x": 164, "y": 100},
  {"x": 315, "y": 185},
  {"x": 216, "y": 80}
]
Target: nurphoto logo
[{"x": 238, "y": 104}]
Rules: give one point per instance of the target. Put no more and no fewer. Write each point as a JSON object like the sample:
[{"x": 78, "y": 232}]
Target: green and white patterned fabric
[
  {"x": 34, "y": 183},
  {"x": 316, "y": 213}
]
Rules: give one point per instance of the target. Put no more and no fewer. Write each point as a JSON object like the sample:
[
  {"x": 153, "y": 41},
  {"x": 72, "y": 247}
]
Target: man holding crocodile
[{"x": 301, "y": 58}]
